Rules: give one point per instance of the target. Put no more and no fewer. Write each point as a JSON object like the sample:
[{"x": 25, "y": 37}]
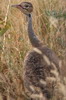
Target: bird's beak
[{"x": 16, "y": 5}]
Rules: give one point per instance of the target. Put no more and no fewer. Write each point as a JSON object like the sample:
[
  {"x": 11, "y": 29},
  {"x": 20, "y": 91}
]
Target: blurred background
[{"x": 49, "y": 23}]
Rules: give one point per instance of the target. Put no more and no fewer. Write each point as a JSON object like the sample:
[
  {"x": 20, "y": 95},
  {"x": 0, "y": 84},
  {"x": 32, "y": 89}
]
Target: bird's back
[{"x": 41, "y": 71}]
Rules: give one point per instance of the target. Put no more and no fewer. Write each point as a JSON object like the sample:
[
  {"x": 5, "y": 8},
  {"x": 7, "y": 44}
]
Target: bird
[{"x": 41, "y": 68}]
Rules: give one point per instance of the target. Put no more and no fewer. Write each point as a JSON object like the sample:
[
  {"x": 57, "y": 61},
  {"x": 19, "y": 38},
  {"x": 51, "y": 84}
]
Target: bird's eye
[{"x": 26, "y": 6}]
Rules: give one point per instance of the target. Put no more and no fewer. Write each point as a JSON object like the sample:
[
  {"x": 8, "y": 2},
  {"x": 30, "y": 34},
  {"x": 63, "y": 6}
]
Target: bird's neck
[{"x": 33, "y": 38}]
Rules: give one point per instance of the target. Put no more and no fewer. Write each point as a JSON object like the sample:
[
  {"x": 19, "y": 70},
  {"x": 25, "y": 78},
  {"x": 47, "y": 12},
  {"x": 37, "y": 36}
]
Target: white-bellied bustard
[{"x": 41, "y": 65}]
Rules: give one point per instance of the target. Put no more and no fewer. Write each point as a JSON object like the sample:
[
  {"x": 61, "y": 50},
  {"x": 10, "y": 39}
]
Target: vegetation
[{"x": 49, "y": 22}]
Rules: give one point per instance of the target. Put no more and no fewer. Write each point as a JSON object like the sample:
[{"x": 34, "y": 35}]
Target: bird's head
[{"x": 24, "y": 7}]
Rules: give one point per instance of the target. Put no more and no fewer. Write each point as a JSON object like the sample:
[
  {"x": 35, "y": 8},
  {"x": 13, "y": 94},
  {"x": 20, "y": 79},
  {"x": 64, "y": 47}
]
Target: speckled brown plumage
[{"x": 36, "y": 70}]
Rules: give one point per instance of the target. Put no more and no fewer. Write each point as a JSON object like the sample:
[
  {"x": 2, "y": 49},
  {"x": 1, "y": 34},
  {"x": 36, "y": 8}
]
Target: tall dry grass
[{"x": 49, "y": 22}]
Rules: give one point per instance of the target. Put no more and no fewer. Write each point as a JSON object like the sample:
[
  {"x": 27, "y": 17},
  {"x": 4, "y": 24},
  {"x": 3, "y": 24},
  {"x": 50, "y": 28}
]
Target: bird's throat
[
  {"x": 29, "y": 15},
  {"x": 32, "y": 36}
]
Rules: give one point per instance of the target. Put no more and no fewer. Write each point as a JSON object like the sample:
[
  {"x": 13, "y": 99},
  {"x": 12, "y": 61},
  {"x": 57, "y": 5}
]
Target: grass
[{"x": 49, "y": 22}]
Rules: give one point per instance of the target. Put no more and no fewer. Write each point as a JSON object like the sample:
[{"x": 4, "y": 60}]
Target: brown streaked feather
[{"x": 37, "y": 71}]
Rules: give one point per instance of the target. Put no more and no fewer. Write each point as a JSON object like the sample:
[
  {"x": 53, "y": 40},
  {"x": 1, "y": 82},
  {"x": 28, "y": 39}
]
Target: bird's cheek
[
  {"x": 30, "y": 10},
  {"x": 25, "y": 11}
]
